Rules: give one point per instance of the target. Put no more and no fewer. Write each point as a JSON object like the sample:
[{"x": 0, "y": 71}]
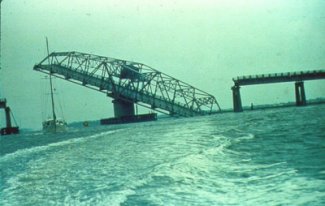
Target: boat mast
[{"x": 51, "y": 86}]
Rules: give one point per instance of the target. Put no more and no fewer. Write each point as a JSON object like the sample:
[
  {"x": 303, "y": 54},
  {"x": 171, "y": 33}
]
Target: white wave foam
[
  {"x": 248, "y": 136},
  {"x": 24, "y": 152},
  {"x": 115, "y": 198}
]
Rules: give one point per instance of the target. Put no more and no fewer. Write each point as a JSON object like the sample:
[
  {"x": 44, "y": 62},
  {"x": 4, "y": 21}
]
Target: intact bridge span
[
  {"x": 129, "y": 83},
  {"x": 297, "y": 77}
]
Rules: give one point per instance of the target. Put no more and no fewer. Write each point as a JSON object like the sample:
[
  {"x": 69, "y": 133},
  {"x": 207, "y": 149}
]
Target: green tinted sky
[{"x": 204, "y": 43}]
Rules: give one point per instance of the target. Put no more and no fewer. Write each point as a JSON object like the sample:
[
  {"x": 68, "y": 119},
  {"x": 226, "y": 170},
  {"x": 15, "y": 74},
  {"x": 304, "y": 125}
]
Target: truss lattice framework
[{"x": 131, "y": 81}]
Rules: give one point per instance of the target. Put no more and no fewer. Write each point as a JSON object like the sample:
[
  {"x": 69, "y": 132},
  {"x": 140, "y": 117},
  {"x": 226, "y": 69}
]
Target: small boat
[{"x": 53, "y": 124}]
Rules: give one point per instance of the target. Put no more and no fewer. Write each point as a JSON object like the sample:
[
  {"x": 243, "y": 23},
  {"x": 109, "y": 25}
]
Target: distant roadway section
[
  {"x": 297, "y": 77},
  {"x": 279, "y": 77}
]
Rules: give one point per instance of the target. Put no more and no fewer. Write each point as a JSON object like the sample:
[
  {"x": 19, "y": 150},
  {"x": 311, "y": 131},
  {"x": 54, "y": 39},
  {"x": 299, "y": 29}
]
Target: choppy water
[{"x": 271, "y": 157}]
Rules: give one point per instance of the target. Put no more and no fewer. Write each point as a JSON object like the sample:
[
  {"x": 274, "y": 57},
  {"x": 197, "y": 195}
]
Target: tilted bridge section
[
  {"x": 297, "y": 77},
  {"x": 129, "y": 83}
]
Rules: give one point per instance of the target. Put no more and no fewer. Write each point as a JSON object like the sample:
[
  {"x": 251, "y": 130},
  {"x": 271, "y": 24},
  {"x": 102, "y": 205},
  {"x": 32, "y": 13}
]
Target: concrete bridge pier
[
  {"x": 236, "y": 99},
  {"x": 123, "y": 108},
  {"x": 8, "y": 120},
  {"x": 300, "y": 93},
  {"x": 9, "y": 129}
]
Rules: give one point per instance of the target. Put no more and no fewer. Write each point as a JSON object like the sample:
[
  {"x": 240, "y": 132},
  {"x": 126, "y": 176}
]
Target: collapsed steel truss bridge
[{"x": 129, "y": 83}]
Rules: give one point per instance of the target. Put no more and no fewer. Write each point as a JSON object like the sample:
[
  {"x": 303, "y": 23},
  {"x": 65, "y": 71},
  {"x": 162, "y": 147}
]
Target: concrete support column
[
  {"x": 123, "y": 108},
  {"x": 236, "y": 99},
  {"x": 8, "y": 120},
  {"x": 300, "y": 94}
]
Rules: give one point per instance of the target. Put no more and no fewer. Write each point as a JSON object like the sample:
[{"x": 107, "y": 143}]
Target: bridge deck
[{"x": 279, "y": 77}]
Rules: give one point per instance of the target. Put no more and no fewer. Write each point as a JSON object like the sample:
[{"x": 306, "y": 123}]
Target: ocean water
[{"x": 265, "y": 157}]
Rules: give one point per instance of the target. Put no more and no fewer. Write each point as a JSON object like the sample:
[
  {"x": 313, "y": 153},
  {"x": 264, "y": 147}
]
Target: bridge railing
[{"x": 275, "y": 75}]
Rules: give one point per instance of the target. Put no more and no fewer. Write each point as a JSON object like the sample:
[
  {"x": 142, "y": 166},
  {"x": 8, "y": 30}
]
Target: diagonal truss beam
[{"x": 130, "y": 81}]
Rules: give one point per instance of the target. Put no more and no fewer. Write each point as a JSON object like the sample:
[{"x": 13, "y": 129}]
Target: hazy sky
[{"x": 204, "y": 43}]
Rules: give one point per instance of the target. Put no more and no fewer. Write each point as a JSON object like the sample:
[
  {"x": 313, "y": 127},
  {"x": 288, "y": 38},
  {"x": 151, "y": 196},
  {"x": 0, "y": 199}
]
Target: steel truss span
[{"x": 130, "y": 81}]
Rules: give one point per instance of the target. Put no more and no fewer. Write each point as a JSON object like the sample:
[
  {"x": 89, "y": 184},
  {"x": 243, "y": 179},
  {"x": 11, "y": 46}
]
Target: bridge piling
[
  {"x": 123, "y": 108},
  {"x": 300, "y": 93},
  {"x": 236, "y": 99},
  {"x": 9, "y": 129}
]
